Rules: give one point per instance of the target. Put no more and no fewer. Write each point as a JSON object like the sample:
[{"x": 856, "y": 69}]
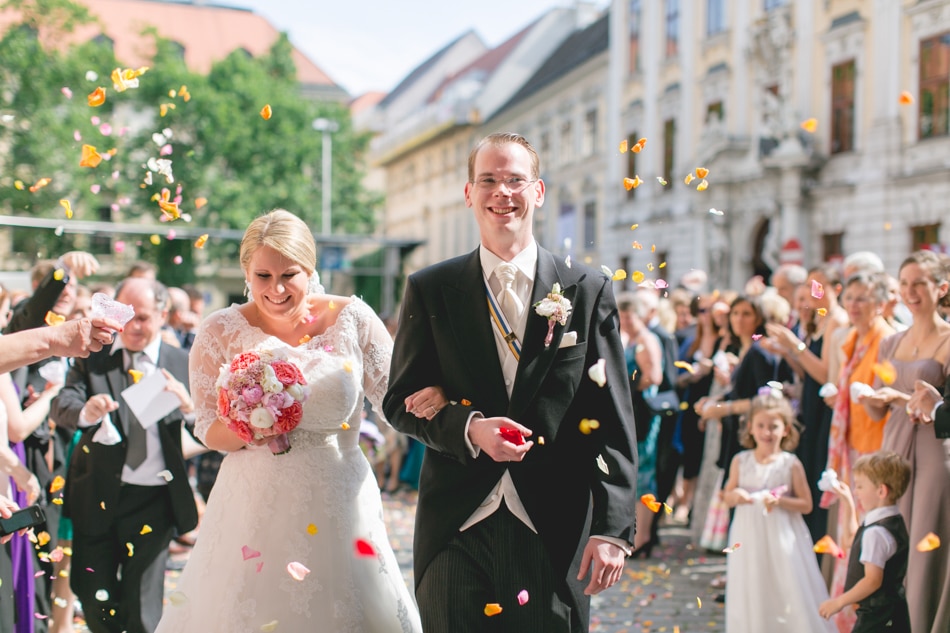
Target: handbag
[{"x": 664, "y": 403}]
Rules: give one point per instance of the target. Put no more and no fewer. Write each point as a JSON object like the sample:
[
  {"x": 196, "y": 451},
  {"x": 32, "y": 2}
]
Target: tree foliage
[{"x": 222, "y": 149}]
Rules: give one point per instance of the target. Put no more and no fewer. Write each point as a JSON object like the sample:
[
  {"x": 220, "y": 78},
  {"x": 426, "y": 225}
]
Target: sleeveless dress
[
  {"x": 308, "y": 506},
  {"x": 774, "y": 583}
]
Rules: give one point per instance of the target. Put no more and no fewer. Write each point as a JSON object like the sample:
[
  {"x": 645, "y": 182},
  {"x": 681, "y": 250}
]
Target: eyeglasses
[{"x": 513, "y": 184}]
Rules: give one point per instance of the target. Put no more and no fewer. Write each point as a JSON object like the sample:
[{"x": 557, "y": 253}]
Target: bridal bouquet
[{"x": 261, "y": 394}]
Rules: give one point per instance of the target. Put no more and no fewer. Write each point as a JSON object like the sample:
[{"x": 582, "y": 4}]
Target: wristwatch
[{"x": 801, "y": 347}]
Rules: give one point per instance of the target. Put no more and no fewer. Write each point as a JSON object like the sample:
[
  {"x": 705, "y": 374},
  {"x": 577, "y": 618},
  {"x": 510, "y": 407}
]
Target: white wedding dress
[{"x": 308, "y": 506}]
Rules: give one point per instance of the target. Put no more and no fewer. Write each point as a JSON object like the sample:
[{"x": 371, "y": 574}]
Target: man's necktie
[
  {"x": 136, "y": 452},
  {"x": 508, "y": 299}
]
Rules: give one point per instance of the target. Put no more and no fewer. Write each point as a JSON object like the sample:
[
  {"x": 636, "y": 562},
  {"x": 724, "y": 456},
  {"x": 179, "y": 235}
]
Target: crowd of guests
[
  {"x": 808, "y": 371},
  {"x": 851, "y": 350}
]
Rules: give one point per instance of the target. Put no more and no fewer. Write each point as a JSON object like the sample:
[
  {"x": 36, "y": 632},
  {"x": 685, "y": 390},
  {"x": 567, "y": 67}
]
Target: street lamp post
[{"x": 326, "y": 127}]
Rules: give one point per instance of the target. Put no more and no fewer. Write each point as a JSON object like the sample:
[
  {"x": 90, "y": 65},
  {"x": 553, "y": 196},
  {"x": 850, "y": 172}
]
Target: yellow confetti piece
[
  {"x": 312, "y": 529},
  {"x": 57, "y": 501},
  {"x": 304, "y": 339},
  {"x": 466, "y": 402},
  {"x": 689, "y": 178},
  {"x": 639, "y": 146},
  {"x": 90, "y": 157},
  {"x": 131, "y": 549},
  {"x": 586, "y": 426},
  {"x": 929, "y": 543},
  {"x": 636, "y": 246},
  {"x": 632, "y": 183},
  {"x": 620, "y": 274},
  {"x": 653, "y": 248},
  {"x": 701, "y": 172},
  {"x": 155, "y": 239},
  {"x": 906, "y": 98},
  {"x": 18, "y": 185},
  {"x": 541, "y": 440},
  {"x": 662, "y": 180},
  {"x": 85, "y": 449},
  {"x": 68, "y": 551},
  {"x": 201, "y": 241},
  {"x": 633, "y": 227},
  {"x": 57, "y": 484},
  {"x": 810, "y": 125},
  {"x": 703, "y": 186},
  {"x": 164, "y": 108},
  {"x": 885, "y": 371},
  {"x": 637, "y": 277},
  {"x": 136, "y": 375},
  {"x": 348, "y": 367},
  {"x": 699, "y": 602},
  {"x": 59, "y": 274},
  {"x": 69, "y": 208},
  {"x": 650, "y": 268},
  {"x": 684, "y": 406},
  {"x": 177, "y": 598},
  {"x": 146, "y": 529},
  {"x": 43, "y": 538},
  {"x": 682, "y": 364},
  {"x": 184, "y": 94},
  {"x": 270, "y": 626},
  {"x": 821, "y": 312},
  {"x": 97, "y": 97},
  {"x": 662, "y": 265},
  {"x": 54, "y": 319},
  {"x": 623, "y": 146},
  {"x": 42, "y": 182},
  {"x": 331, "y": 304},
  {"x": 345, "y": 426},
  {"x": 649, "y": 500},
  {"x": 102, "y": 505},
  {"x": 267, "y": 112},
  {"x": 492, "y": 608},
  {"x": 667, "y": 508}
]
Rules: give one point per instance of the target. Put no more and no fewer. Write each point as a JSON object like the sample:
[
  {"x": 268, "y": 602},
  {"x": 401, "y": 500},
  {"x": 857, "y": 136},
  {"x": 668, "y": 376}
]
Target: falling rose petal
[
  {"x": 57, "y": 484},
  {"x": 66, "y": 92},
  {"x": 115, "y": 207},
  {"x": 56, "y": 555},
  {"x": 637, "y": 277},
  {"x": 115, "y": 175},
  {"x": 632, "y": 183},
  {"x": 249, "y": 553},
  {"x": 649, "y": 500},
  {"x": 598, "y": 372},
  {"x": 171, "y": 234},
  {"x": 200, "y": 202},
  {"x": 929, "y": 543},
  {"x": 40, "y": 616},
  {"x": 267, "y": 112},
  {"x": 90, "y": 157},
  {"x": 269, "y": 627},
  {"x": 523, "y": 597},
  {"x": 259, "y": 567},
  {"x": 364, "y": 548},
  {"x": 95, "y": 188},
  {"x": 492, "y": 608},
  {"x": 817, "y": 290},
  {"x": 297, "y": 571},
  {"x": 885, "y": 371},
  {"x": 701, "y": 172},
  {"x": 511, "y": 435},
  {"x": 827, "y": 545},
  {"x": 105, "y": 129},
  {"x": 96, "y": 98},
  {"x": 95, "y": 120},
  {"x": 52, "y": 319},
  {"x": 682, "y": 364},
  {"x": 119, "y": 246},
  {"x": 906, "y": 98},
  {"x": 810, "y": 125}
]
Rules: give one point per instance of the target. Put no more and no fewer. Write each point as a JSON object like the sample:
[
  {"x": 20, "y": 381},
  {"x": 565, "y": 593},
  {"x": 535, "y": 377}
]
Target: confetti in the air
[
  {"x": 817, "y": 290},
  {"x": 90, "y": 157},
  {"x": 492, "y": 608},
  {"x": 649, "y": 500},
  {"x": 662, "y": 180},
  {"x": 598, "y": 372},
  {"x": 52, "y": 319},
  {"x": 523, "y": 597},
  {"x": 827, "y": 545},
  {"x": 297, "y": 571},
  {"x": 586, "y": 426},
  {"x": 623, "y": 146},
  {"x": 702, "y": 186},
  {"x": 267, "y": 112},
  {"x": 929, "y": 543},
  {"x": 906, "y": 98},
  {"x": 885, "y": 371},
  {"x": 69, "y": 208},
  {"x": 632, "y": 183},
  {"x": 810, "y": 125},
  {"x": 97, "y": 97},
  {"x": 364, "y": 548}
]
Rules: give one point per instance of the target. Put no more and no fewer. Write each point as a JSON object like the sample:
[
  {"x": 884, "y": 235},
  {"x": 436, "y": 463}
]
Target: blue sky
[{"x": 372, "y": 44}]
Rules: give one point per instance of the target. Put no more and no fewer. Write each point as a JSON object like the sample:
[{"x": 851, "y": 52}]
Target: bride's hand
[{"x": 427, "y": 402}]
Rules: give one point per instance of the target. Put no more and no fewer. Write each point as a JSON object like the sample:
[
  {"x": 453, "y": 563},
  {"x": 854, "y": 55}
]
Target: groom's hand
[
  {"x": 604, "y": 561},
  {"x": 484, "y": 433}
]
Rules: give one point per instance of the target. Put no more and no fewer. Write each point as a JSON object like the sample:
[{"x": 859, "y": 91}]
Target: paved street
[{"x": 668, "y": 593}]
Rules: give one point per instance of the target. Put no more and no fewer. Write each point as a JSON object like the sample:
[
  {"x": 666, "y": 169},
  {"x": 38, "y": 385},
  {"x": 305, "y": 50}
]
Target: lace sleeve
[
  {"x": 377, "y": 347},
  {"x": 207, "y": 356}
]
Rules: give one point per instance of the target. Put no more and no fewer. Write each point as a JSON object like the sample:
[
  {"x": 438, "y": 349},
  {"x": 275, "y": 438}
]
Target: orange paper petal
[
  {"x": 649, "y": 500},
  {"x": 827, "y": 545},
  {"x": 97, "y": 97},
  {"x": 90, "y": 157},
  {"x": 57, "y": 484},
  {"x": 885, "y": 371},
  {"x": 702, "y": 186},
  {"x": 929, "y": 543},
  {"x": 266, "y": 112},
  {"x": 623, "y": 146},
  {"x": 810, "y": 125},
  {"x": 54, "y": 319},
  {"x": 689, "y": 178},
  {"x": 632, "y": 183},
  {"x": 492, "y": 608},
  {"x": 701, "y": 172},
  {"x": 906, "y": 98},
  {"x": 200, "y": 202},
  {"x": 201, "y": 241}
]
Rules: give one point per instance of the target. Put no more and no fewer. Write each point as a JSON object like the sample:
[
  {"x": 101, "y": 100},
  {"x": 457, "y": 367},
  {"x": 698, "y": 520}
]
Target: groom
[{"x": 550, "y": 517}]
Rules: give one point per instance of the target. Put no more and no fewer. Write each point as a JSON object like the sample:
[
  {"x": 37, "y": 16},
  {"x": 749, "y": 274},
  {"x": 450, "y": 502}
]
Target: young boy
[{"x": 880, "y": 545}]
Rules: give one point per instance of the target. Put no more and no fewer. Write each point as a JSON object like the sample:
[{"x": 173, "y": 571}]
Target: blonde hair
[
  {"x": 285, "y": 233},
  {"x": 771, "y": 401},
  {"x": 888, "y": 468}
]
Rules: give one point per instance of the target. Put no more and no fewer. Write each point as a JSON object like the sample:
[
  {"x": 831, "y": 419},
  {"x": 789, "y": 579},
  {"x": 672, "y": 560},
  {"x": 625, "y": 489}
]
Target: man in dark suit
[
  {"x": 927, "y": 406},
  {"x": 553, "y": 515},
  {"x": 127, "y": 490}
]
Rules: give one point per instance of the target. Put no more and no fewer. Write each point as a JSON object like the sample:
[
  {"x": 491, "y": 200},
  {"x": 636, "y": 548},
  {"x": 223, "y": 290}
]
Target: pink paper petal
[
  {"x": 260, "y": 566},
  {"x": 177, "y": 259},
  {"x": 114, "y": 207},
  {"x": 171, "y": 234},
  {"x": 95, "y": 188},
  {"x": 523, "y": 597},
  {"x": 756, "y": 337},
  {"x": 297, "y": 571},
  {"x": 816, "y": 290},
  {"x": 66, "y": 92},
  {"x": 119, "y": 246},
  {"x": 115, "y": 175},
  {"x": 165, "y": 150},
  {"x": 105, "y": 129},
  {"x": 77, "y": 136},
  {"x": 40, "y": 616},
  {"x": 365, "y": 548},
  {"x": 249, "y": 553},
  {"x": 661, "y": 283},
  {"x": 95, "y": 120}
]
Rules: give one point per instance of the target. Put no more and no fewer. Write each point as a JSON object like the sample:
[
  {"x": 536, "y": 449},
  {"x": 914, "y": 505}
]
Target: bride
[{"x": 268, "y": 514}]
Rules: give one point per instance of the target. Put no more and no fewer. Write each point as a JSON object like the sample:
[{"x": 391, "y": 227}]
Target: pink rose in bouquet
[{"x": 261, "y": 394}]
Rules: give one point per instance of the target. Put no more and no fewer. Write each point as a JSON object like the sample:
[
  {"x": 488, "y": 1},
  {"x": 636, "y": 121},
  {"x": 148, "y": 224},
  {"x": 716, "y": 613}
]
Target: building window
[
  {"x": 714, "y": 112},
  {"x": 565, "y": 225},
  {"x": 774, "y": 4},
  {"x": 590, "y": 133},
  {"x": 567, "y": 143},
  {"x": 590, "y": 225},
  {"x": 831, "y": 246},
  {"x": 934, "y": 85},
  {"x": 715, "y": 17},
  {"x": 842, "y": 107},
  {"x": 672, "y": 27},
  {"x": 925, "y": 237},
  {"x": 631, "y": 163},
  {"x": 545, "y": 149},
  {"x": 634, "y": 22},
  {"x": 669, "y": 140}
]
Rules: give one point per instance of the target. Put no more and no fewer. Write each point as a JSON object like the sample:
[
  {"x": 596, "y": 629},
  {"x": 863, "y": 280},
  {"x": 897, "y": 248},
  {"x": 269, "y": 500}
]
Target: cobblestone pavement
[{"x": 670, "y": 592}]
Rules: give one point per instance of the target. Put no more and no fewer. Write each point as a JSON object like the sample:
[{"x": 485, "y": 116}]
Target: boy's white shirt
[{"x": 877, "y": 543}]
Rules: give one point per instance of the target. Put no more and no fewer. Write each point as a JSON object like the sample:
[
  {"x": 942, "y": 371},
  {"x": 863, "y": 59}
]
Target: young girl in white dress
[{"x": 774, "y": 583}]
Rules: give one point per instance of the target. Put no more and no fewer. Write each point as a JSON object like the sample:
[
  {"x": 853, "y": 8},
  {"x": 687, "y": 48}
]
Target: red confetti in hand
[
  {"x": 364, "y": 548},
  {"x": 511, "y": 435}
]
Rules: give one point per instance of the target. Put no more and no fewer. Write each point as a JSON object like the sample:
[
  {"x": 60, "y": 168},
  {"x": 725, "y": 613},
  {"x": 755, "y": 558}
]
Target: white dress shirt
[
  {"x": 877, "y": 543},
  {"x": 526, "y": 262}
]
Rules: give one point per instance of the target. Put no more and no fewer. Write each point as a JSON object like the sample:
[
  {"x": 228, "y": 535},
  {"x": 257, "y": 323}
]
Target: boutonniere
[{"x": 555, "y": 308}]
